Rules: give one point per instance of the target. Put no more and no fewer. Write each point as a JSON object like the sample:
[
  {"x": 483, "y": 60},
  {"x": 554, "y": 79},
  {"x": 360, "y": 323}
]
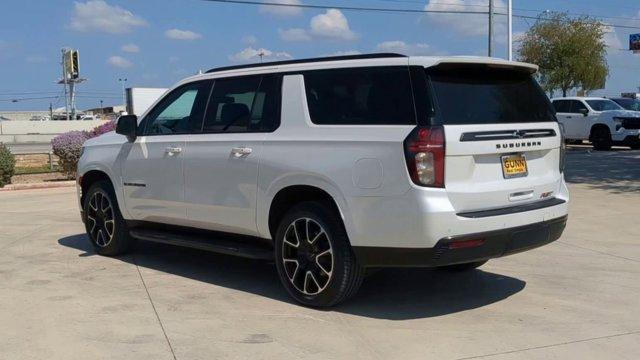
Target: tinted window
[
  {"x": 360, "y": 96},
  {"x": 180, "y": 112},
  {"x": 562, "y": 106},
  {"x": 629, "y": 104},
  {"x": 244, "y": 104},
  {"x": 577, "y": 106},
  {"x": 603, "y": 105},
  {"x": 484, "y": 95}
]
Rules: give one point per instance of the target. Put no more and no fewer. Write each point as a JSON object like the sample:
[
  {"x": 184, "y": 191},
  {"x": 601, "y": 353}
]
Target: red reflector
[{"x": 466, "y": 244}]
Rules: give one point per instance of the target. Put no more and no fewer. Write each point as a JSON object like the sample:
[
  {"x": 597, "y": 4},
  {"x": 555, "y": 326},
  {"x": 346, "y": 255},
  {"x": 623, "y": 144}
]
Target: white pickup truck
[{"x": 599, "y": 120}]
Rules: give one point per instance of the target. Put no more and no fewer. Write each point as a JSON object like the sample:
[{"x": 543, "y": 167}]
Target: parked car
[
  {"x": 599, "y": 120},
  {"x": 331, "y": 166},
  {"x": 628, "y": 103}
]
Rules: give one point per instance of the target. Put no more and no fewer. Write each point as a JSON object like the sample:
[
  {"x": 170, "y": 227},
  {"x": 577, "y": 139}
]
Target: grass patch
[{"x": 35, "y": 170}]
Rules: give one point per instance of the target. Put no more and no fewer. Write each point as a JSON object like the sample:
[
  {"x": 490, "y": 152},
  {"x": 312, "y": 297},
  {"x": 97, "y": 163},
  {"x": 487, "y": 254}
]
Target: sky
[{"x": 156, "y": 43}]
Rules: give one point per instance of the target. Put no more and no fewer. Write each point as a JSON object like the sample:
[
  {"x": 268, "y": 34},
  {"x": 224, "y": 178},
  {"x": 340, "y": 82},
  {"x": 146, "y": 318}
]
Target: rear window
[
  {"x": 360, "y": 96},
  {"x": 484, "y": 95}
]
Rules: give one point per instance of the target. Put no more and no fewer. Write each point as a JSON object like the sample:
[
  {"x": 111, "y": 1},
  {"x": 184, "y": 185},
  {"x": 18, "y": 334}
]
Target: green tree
[{"x": 571, "y": 52}]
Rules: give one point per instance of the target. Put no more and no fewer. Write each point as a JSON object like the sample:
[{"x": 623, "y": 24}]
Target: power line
[
  {"x": 349, "y": 8},
  {"x": 396, "y": 10}
]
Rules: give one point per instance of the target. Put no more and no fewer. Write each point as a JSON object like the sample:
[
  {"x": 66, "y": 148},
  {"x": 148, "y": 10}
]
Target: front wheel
[
  {"x": 314, "y": 258},
  {"x": 105, "y": 226},
  {"x": 601, "y": 139}
]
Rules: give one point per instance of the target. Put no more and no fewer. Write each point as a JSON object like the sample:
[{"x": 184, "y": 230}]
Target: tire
[
  {"x": 601, "y": 138},
  {"x": 311, "y": 239},
  {"x": 463, "y": 267},
  {"x": 105, "y": 226}
]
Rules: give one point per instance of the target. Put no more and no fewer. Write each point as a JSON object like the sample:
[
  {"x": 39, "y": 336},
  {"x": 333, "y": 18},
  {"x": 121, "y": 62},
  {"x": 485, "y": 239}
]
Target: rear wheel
[
  {"x": 464, "y": 267},
  {"x": 105, "y": 226},
  {"x": 314, "y": 258},
  {"x": 601, "y": 138}
]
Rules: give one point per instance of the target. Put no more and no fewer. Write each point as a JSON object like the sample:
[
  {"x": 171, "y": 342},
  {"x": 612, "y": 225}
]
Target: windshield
[
  {"x": 484, "y": 95},
  {"x": 603, "y": 105},
  {"x": 629, "y": 104}
]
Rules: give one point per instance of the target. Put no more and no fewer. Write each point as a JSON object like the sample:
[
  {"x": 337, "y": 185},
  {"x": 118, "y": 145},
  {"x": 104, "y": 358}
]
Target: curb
[{"x": 42, "y": 185}]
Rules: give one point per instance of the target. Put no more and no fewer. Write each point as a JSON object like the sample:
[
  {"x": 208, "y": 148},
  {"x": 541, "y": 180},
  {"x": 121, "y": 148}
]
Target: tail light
[
  {"x": 563, "y": 148},
  {"x": 424, "y": 153}
]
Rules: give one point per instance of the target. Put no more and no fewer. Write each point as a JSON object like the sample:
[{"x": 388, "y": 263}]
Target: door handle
[
  {"x": 172, "y": 150},
  {"x": 241, "y": 151}
]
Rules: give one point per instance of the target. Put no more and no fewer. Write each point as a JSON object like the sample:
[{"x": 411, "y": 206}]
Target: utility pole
[
  {"x": 510, "y": 26},
  {"x": 101, "y": 109},
  {"x": 261, "y": 54},
  {"x": 64, "y": 80},
  {"x": 490, "y": 28}
]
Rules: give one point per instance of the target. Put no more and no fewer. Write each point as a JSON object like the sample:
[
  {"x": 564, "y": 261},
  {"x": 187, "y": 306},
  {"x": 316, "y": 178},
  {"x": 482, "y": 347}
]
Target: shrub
[
  {"x": 7, "y": 165},
  {"x": 68, "y": 146},
  {"x": 102, "y": 129}
]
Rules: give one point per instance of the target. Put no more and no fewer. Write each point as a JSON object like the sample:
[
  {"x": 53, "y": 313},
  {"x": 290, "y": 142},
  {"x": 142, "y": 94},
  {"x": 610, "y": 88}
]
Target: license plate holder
[{"x": 514, "y": 166}]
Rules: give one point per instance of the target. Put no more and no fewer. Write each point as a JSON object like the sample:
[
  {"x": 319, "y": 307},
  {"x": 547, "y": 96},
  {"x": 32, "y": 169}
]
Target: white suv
[
  {"x": 601, "y": 121},
  {"x": 331, "y": 166}
]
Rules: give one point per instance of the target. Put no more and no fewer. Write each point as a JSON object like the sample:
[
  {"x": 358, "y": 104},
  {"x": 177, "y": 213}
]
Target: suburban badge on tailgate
[{"x": 518, "y": 144}]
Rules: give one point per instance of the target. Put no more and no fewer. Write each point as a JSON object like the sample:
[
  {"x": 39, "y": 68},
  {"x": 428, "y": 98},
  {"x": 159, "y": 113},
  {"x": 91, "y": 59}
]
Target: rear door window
[
  {"x": 484, "y": 95},
  {"x": 360, "y": 96},
  {"x": 244, "y": 104},
  {"x": 562, "y": 106}
]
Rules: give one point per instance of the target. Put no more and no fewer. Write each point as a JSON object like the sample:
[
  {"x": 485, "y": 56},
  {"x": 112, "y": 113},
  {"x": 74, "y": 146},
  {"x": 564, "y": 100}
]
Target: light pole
[
  {"x": 490, "y": 51},
  {"x": 510, "y": 26},
  {"x": 101, "y": 109},
  {"x": 123, "y": 81}
]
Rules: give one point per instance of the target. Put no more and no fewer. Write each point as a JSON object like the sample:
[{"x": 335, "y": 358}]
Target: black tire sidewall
[
  {"x": 602, "y": 139},
  {"x": 343, "y": 259},
  {"x": 121, "y": 241}
]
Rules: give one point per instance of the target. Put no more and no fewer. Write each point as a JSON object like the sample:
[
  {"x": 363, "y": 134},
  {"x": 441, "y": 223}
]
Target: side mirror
[
  {"x": 583, "y": 111},
  {"x": 127, "y": 126}
]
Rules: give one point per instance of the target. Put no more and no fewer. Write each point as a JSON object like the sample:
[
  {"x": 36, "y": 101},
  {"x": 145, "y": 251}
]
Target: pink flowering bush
[{"x": 68, "y": 146}]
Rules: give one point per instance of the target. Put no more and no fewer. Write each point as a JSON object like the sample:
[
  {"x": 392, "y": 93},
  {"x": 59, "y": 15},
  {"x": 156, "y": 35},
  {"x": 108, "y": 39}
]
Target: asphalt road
[{"x": 577, "y": 298}]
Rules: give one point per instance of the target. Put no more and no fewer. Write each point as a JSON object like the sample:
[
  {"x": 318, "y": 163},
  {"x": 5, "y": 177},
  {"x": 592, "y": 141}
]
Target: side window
[
  {"x": 576, "y": 106},
  {"x": 246, "y": 104},
  {"x": 562, "y": 106},
  {"x": 180, "y": 112},
  {"x": 360, "y": 96}
]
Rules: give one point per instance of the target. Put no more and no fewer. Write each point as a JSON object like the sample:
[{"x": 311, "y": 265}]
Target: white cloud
[
  {"x": 282, "y": 11},
  {"x": 467, "y": 24},
  {"x": 250, "y": 54},
  {"x": 249, "y": 40},
  {"x": 333, "y": 25},
  {"x": 177, "y": 34},
  {"x": 97, "y": 15},
  {"x": 398, "y": 46},
  {"x": 130, "y": 48},
  {"x": 294, "y": 35},
  {"x": 119, "y": 61},
  {"x": 344, "y": 53}
]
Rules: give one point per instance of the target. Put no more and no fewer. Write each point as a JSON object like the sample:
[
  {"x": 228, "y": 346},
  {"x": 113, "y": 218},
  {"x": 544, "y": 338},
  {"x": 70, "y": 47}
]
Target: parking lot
[{"x": 578, "y": 297}]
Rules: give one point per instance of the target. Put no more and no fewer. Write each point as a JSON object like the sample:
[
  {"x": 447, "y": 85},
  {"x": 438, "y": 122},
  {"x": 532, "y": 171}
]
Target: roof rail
[{"x": 309, "y": 60}]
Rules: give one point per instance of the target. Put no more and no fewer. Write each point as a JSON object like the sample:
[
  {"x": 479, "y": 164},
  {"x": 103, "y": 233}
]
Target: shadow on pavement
[
  {"x": 617, "y": 171},
  {"x": 394, "y": 294}
]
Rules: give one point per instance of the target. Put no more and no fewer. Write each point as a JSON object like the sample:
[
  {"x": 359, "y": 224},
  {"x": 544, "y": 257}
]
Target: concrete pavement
[{"x": 577, "y": 298}]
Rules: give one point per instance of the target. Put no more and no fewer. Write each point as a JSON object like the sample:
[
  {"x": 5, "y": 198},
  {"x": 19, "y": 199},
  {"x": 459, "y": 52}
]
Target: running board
[{"x": 229, "y": 246}]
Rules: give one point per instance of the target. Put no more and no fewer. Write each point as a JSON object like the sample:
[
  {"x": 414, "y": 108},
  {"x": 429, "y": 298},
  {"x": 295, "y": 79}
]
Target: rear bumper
[{"x": 496, "y": 244}]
